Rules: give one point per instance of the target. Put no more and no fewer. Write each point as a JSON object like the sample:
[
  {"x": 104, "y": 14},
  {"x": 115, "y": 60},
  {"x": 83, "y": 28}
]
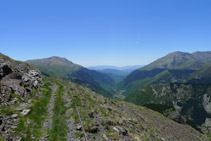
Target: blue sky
[{"x": 104, "y": 32}]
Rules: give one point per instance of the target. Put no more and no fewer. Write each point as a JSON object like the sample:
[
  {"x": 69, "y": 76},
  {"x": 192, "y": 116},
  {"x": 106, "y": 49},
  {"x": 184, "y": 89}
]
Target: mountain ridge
[
  {"x": 58, "y": 67},
  {"x": 175, "y": 63}
]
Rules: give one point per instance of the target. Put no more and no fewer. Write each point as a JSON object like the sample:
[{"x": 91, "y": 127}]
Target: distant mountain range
[
  {"x": 115, "y": 67},
  {"x": 117, "y": 73}
]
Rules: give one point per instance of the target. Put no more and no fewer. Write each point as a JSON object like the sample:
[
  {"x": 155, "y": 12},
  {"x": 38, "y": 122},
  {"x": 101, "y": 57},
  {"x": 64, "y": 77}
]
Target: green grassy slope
[
  {"x": 101, "y": 117},
  {"x": 201, "y": 76},
  {"x": 191, "y": 97}
]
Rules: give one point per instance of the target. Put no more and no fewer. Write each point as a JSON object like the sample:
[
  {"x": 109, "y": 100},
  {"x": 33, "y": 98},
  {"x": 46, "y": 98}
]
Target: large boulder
[
  {"x": 176, "y": 116},
  {"x": 4, "y": 70},
  {"x": 2, "y": 123},
  {"x": 17, "y": 78},
  {"x": 5, "y": 93}
]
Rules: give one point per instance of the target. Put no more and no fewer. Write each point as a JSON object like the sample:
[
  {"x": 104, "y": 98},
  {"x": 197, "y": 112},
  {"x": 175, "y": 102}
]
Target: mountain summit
[{"x": 181, "y": 60}]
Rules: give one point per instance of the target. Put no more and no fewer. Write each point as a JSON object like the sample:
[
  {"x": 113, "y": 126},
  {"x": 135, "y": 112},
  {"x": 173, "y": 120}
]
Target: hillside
[
  {"x": 62, "y": 110},
  {"x": 175, "y": 67},
  {"x": 192, "y": 100},
  {"x": 58, "y": 67},
  {"x": 203, "y": 75}
]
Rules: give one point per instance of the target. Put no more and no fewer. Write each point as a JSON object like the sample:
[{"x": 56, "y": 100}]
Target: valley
[
  {"x": 178, "y": 77},
  {"x": 65, "y": 101}
]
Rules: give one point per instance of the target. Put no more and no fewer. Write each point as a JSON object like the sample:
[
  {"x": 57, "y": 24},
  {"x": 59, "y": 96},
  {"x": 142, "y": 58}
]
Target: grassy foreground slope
[{"x": 53, "y": 116}]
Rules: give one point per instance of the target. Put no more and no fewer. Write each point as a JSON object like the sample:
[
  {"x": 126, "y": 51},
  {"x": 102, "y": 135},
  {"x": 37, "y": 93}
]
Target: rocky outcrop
[
  {"x": 176, "y": 116},
  {"x": 7, "y": 126},
  {"x": 16, "y": 80},
  {"x": 207, "y": 103}
]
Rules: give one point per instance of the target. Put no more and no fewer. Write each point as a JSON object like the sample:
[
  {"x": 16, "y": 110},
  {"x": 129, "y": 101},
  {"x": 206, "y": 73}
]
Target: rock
[
  {"x": 13, "y": 127},
  {"x": 2, "y": 122},
  {"x": 137, "y": 139},
  {"x": 33, "y": 73},
  {"x": 207, "y": 122},
  {"x": 33, "y": 137},
  {"x": 176, "y": 116},
  {"x": 35, "y": 84},
  {"x": 14, "y": 115},
  {"x": 25, "y": 78},
  {"x": 25, "y": 112},
  {"x": 5, "y": 70},
  {"x": 207, "y": 103},
  {"x": 19, "y": 109},
  {"x": 91, "y": 115},
  {"x": 29, "y": 121},
  {"x": 105, "y": 137},
  {"x": 115, "y": 129},
  {"x": 93, "y": 129},
  {"x": 122, "y": 130},
  {"x": 79, "y": 127}
]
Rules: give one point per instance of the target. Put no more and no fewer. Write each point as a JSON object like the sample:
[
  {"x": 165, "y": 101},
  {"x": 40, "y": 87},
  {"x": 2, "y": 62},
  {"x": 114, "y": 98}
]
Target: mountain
[
  {"x": 191, "y": 100},
  {"x": 203, "y": 75},
  {"x": 181, "y": 60},
  {"x": 176, "y": 67},
  {"x": 55, "y": 109},
  {"x": 58, "y": 67}
]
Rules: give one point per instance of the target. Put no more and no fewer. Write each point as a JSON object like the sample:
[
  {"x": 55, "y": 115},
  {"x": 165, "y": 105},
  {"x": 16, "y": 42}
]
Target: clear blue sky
[{"x": 104, "y": 32}]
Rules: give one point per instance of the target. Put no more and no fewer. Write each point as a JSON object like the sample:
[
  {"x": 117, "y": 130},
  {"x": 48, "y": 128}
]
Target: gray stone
[
  {"x": 207, "y": 122},
  {"x": 122, "y": 130},
  {"x": 176, "y": 116},
  {"x": 115, "y": 129},
  {"x": 14, "y": 115},
  {"x": 79, "y": 127},
  {"x": 25, "y": 112},
  {"x": 105, "y": 137},
  {"x": 13, "y": 127},
  {"x": 19, "y": 109}
]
